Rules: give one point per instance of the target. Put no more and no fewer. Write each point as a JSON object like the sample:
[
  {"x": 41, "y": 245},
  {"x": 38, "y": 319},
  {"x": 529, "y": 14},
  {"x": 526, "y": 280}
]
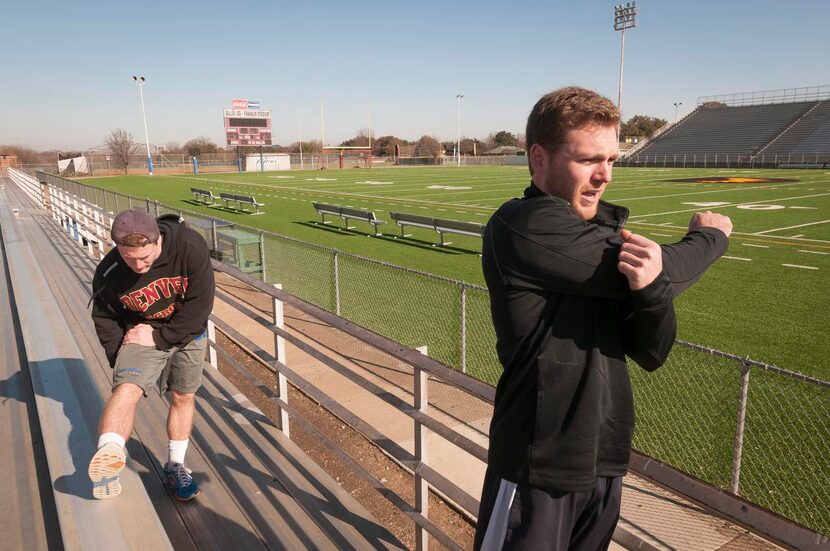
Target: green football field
[{"x": 767, "y": 298}]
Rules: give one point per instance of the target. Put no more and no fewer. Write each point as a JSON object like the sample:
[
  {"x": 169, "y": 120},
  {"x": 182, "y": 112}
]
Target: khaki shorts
[{"x": 178, "y": 369}]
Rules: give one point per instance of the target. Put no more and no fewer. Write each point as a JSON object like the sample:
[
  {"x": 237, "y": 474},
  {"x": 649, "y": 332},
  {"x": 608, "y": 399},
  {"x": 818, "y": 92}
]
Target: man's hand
[
  {"x": 640, "y": 260},
  {"x": 709, "y": 219},
  {"x": 140, "y": 334}
]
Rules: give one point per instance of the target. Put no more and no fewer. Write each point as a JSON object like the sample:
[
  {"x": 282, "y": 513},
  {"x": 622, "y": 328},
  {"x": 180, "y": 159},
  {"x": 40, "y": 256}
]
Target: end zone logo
[{"x": 732, "y": 180}]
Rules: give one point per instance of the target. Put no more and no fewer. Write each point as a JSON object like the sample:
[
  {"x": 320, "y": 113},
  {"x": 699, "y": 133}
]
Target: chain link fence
[
  {"x": 724, "y": 160},
  {"x": 750, "y": 428}
]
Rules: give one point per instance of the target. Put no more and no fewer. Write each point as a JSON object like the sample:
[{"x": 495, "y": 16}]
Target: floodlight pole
[
  {"x": 300, "y": 137},
  {"x": 140, "y": 81},
  {"x": 459, "y": 97},
  {"x": 676, "y": 105},
  {"x": 625, "y": 17}
]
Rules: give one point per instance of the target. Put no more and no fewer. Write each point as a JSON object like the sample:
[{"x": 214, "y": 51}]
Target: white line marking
[
  {"x": 662, "y": 234},
  {"x": 726, "y": 206},
  {"x": 811, "y": 252},
  {"x": 757, "y": 246},
  {"x": 737, "y": 258},
  {"x": 805, "y": 208},
  {"x": 797, "y": 266},
  {"x": 796, "y": 236},
  {"x": 791, "y": 227}
]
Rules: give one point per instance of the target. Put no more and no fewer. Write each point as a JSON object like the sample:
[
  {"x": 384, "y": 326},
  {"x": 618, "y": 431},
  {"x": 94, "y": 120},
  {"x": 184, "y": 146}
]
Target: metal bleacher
[
  {"x": 810, "y": 135},
  {"x": 727, "y": 130},
  {"x": 259, "y": 490}
]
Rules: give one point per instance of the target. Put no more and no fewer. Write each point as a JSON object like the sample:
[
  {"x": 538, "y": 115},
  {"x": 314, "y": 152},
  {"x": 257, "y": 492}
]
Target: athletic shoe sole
[{"x": 104, "y": 467}]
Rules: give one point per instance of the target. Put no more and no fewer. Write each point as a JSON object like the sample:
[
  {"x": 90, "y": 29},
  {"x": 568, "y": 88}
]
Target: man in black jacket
[
  {"x": 152, "y": 296},
  {"x": 572, "y": 294}
]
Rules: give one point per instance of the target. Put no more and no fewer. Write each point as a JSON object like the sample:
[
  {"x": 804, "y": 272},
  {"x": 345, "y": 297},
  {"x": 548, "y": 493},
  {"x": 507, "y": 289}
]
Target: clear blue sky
[{"x": 65, "y": 66}]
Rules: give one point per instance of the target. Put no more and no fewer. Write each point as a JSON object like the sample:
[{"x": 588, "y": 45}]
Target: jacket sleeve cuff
[
  {"x": 161, "y": 344},
  {"x": 655, "y": 296}
]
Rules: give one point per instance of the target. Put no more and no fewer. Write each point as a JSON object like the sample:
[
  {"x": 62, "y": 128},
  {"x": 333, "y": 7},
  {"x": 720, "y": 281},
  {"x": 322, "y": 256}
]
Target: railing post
[
  {"x": 147, "y": 203},
  {"x": 279, "y": 349},
  {"x": 463, "y": 328},
  {"x": 336, "y": 284},
  {"x": 213, "y": 238},
  {"x": 129, "y": 203},
  {"x": 262, "y": 255},
  {"x": 157, "y": 208},
  {"x": 211, "y": 335},
  {"x": 422, "y": 456},
  {"x": 737, "y": 448}
]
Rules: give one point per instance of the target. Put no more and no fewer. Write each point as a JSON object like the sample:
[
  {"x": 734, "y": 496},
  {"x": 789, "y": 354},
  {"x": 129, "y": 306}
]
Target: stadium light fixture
[
  {"x": 625, "y": 17},
  {"x": 676, "y": 105},
  {"x": 140, "y": 82},
  {"x": 459, "y": 97}
]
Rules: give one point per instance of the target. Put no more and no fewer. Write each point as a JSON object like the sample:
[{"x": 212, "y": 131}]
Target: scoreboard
[{"x": 247, "y": 127}]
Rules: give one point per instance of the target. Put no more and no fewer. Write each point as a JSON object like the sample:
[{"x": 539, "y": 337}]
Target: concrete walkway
[{"x": 651, "y": 518}]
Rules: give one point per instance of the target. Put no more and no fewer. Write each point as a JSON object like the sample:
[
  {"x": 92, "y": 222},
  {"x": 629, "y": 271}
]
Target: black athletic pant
[{"x": 547, "y": 520}]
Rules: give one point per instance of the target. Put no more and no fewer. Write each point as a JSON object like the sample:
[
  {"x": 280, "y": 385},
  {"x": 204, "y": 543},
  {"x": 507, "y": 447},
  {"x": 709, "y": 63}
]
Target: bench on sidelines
[
  {"x": 204, "y": 195},
  {"x": 347, "y": 213},
  {"x": 241, "y": 200},
  {"x": 441, "y": 226}
]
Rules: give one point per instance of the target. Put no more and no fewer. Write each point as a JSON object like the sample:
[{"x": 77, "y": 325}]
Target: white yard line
[
  {"x": 662, "y": 234},
  {"x": 737, "y": 258},
  {"x": 791, "y": 227},
  {"x": 756, "y": 246},
  {"x": 626, "y": 199},
  {"x": 729, "y": 205},
  {"x": 811, "y": 252},
  {"x": 798, "y": 266}
]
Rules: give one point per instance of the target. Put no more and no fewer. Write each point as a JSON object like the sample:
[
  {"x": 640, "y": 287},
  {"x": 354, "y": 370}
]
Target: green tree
[
  {"x": 503, "y": 137},
  {"x": 361, "y": 140},
  {"x": 385, "y": 146},
  {"x": 640, "y": 126}
]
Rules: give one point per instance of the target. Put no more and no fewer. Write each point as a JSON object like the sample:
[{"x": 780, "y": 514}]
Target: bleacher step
[{"x": 68, "y": 407}]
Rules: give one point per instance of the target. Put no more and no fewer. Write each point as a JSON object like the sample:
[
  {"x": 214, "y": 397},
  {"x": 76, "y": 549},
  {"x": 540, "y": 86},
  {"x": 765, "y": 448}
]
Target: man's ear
[{"x": 539, "y": 160}]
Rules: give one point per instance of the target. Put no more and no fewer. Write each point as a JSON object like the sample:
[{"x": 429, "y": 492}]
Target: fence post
[
  {"x": 336, "y": 284},
  {"x": 262, "y": 255},
  {"x": 422, "y": 456},
  {"x": 737, "y": 448},
  {"x": 157, "y": 208},
  {"x": 147, "y": 202},
  {"x": 279, "y": 349},
  {"x": 213, "y": 238},
  {"x": 463, "y": 328},
  {"x": 211, "y": 335}
]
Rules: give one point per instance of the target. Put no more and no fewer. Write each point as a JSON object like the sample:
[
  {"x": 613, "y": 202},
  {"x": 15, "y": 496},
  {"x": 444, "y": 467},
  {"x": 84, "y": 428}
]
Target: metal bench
[
  {"x": 471, "y": 229},
  {"x": 416, "y": 220},
  {"x": 348, "y": 213},
  {"x": 241, "y": 200},
  {"x": 439, "y": 225},
  {"x": 323, "y": 209},
  {"x": 204, "y": 194}
]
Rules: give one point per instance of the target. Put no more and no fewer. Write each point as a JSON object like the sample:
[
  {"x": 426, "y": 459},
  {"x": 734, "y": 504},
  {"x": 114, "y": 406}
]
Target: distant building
[{"x": 504, "y": 150}]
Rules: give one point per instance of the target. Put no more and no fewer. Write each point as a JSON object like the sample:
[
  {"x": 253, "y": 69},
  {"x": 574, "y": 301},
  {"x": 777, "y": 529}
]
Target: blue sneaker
[{"x": 177, "y": 479}]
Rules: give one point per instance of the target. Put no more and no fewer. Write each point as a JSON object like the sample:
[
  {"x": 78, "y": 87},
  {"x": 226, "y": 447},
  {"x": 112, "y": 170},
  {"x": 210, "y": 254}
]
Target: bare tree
[
  {"x": 428, "y": 146},
  {"x": 199, "y": 146},
  {"x": 121, "y": 146}
]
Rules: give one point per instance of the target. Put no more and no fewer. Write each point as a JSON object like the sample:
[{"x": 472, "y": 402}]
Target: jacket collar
[{"x": 608, "y": 214}]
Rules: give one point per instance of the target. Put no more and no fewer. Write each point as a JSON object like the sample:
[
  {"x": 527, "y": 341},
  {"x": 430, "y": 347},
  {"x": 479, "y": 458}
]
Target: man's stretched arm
[
  {"x": 650, "y": 328},
  {"x": 687, "y": 260}
]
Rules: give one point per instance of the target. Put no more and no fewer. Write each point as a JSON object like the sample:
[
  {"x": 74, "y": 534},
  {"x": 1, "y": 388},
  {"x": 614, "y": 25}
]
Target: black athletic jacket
[
  {"x": 565, "y": 320},
  {"x": 175, "y": 296}
]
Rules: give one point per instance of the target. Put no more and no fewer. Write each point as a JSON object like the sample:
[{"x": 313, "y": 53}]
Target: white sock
[
  {"x": 108, "y": 437},
  {"x": 176, "y": 450}
]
